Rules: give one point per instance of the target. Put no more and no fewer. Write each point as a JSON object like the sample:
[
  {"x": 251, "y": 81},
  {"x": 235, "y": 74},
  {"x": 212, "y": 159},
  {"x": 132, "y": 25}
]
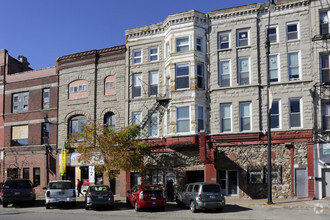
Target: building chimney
[{"x": 25, "y": 63}]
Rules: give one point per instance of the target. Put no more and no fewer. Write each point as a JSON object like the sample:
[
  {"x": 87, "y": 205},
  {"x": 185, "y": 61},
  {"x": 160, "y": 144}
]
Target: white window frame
[
  {"x": 199, "y": 46},
  {"x": 241, "y": 115},
  {"x": 277, "y": 68},
  {"x": 137, "y": 83},
  {"x": 279, "y": 114},
  {"x": 222, "y": 117},
  {"x": 324, "y": 69},
  {"x": 300, "y": 112},
  {"x": 176, "y": 77},
  {"x": 200, "y": 109},
  {"x": 289, "y": 67},
  {"x": 167, "y": 48},
  {"x": 153, "y": 84},
  {"x": 183, "y": 45},
  {"x": 136, "y": 58},
  {"x": 151, "y": 55},
  {"x": 270, "y": 35},
  {"x": 256, "y": 172},
  {"x": 220, "y": 43},
  {"x": 287, "y": 31},
  {"x": 221, "y": 73},
  {"x": 177, "y": 120},
  {"x": 325, "y": 24},
  {"x": 110, "y": 85},
  {"x": 240, "y": 71},
  {"x": 239, "y": 40},
  {"x": 152, "y": 123}
]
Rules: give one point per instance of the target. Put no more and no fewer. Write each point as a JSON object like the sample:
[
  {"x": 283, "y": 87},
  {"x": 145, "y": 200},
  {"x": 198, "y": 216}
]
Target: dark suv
[{"x": 17, "y": 190}]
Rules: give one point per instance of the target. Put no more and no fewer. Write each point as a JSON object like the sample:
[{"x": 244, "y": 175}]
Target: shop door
[
  {"x": 326, "y": 183},
  {"x": 301, "y": 183},
  {"x": 228, "y": 180}
]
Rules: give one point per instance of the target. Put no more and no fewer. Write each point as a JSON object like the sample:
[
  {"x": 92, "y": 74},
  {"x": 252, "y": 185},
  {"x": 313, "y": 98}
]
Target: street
[{"x": 121, "y": 211}]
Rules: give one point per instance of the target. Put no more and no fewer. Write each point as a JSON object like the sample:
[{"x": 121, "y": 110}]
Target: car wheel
[
  {"x": 193, "y": 207},
  {"x": 47, "y": 206},
  {"x": 111, "y": 207},
  {"x": 86, "y": 206},
  {"x": 219, "y": 209},
  {"x": 4, "y": 204},
  {"x": 73, "y": 205},
  {"x": 162, "y": 208},
  {"x": 136, "y": 207}
]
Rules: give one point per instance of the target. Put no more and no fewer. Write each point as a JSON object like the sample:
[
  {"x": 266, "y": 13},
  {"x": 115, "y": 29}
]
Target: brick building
[{"x": 28, "y": 121}]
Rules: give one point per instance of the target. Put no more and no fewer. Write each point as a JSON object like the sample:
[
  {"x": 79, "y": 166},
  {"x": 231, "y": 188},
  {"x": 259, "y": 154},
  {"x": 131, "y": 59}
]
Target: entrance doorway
[
  {"x": 301, "y": 182},
  {"x": 325, "y": 182},
  {"x": 195, "y": 176},
  {"x": 228, "y": 180}
]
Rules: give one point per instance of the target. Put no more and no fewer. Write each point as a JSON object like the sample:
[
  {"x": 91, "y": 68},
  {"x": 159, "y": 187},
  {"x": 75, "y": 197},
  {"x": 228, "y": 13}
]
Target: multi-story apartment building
[
  {"x": 28, "y": 121},
  {"x": 320, "y": 35},
  {"x": 91, "y": 86}
]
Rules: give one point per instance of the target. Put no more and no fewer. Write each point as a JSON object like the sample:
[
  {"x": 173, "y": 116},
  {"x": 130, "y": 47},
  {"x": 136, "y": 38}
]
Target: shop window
[
  {"x": 26, "y": 173},
  {"x": 36, "y": 176}
]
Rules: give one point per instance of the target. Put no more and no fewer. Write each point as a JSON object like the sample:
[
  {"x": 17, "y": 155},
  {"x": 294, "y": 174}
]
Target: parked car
[
  {"x": 17, "y": 190},
  {"x": 60, "y": 192},
  {"x": 143, "y": 196},
  {"x": 99, "y": 196},
  {"x": 201, "y": 196}
]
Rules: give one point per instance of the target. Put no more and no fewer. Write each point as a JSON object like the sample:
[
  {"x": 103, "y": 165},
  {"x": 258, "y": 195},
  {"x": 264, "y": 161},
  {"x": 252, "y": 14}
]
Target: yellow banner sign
[{"x": 63, "y": 160}]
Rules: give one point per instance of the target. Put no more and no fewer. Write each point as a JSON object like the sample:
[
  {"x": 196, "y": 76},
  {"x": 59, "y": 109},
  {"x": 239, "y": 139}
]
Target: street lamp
[{"x": 271, "y": 7}]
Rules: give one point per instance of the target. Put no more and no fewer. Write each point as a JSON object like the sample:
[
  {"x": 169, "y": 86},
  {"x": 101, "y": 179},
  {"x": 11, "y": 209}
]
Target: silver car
[
  {"x": 60, "y": 192},
  {"x": 201, "y": 196}
]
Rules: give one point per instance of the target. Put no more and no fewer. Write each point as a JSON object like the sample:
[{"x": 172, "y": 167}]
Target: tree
[{"x": 109, "y": 150}]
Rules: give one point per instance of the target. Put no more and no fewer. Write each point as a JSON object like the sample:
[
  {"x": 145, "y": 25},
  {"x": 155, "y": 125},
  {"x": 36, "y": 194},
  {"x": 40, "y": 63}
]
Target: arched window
[
  {"x": 110, "y": 85},
  {"x": 75, "y": 123},
  {"x": 78, "y": 89},
  {"x": 110, "y": 120}
]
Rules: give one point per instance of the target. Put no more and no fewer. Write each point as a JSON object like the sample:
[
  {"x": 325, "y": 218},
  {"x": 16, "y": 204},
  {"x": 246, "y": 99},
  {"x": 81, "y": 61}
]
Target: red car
[{"x": 144, "y": 196}]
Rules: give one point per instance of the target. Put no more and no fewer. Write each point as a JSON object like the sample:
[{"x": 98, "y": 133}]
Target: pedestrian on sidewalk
[{"x": 79, "y": 184}]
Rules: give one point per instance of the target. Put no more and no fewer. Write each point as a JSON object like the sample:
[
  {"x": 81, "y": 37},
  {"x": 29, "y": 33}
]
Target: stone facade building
[{"x": 28, "y": 121}]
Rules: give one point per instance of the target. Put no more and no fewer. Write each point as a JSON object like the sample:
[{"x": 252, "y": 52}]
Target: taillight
[
  {"x": 200, "y": 196},
  {"x": 90, "y": 195},
  {"x": 1, "y": 193},
  {"x": 31, "y": 191},
  {"x": 141, "y": 195},
  {"x": 110, "y": 195},
  {"x": 222, "y": 196}
]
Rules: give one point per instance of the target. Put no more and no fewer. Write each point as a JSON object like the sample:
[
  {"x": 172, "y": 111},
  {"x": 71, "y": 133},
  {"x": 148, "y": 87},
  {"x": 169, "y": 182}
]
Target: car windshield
[
  {"x": 17, "y": 184},
  {"x": 150, "y": 188},
  {"x": 60, "y": 185},
  {"x": 211, "y": 188},
  {"x": 99, "y": 189}
]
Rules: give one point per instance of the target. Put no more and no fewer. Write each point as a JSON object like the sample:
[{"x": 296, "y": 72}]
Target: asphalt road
[{"x": 121, "y": 211}]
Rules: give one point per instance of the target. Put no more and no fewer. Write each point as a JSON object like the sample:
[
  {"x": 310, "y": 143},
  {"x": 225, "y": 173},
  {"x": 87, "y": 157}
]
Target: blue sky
[{"x": 43, "y": 30}]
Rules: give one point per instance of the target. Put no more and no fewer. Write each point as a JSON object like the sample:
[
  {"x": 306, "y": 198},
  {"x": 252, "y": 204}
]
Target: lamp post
[{"x": 271, "y": 7}]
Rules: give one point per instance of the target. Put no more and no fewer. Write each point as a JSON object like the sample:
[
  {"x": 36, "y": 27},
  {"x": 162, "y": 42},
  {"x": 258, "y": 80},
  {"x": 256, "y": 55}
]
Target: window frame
[
  {"x": 177, "y": 120},
  {"x": 225, "y": 42},
  {"x": 221, "y": 73},
  {"x": 178, "y": 48},
  {"x": 24, "y": 131},
  {"x": 300, "y": 112},
  {"x": 80, "y": 119},
  {"x": 288, "y": 33},
  {"x": 110, "y": 121},
  {"x": 324, "y": 70},
  {"x": 256, "y": 172},
  {"x": 242, "y": 117},
  {"x": 324, "y": 24},
  {"x": 240, "y": 59},
  {"x": 46, "y": 98},
  {"x": 137, "y": 85},
  {"x": 36, "y": 176},
  {"x": 200, "y": 76},
  {"x": 223, "y": 118},
  {"x": 21, "y": 103},
  {"x": 153, "y": 124},
  {"x": 290, "y": 78},
  {"x": 270, "y": 34},
  {"x": 177, "y": 66},
  {"x": 277, "y": 68},
  {"x": 153, "y": 55},
  {"x": 137, "y": 59},
  {"x": 200, "y": 121},
  {"x": 278, "y": 115},
  {"x": 45, "y": 133},
  {"x": 199, "y": 45},
  {"x": 243, "y": 39},
  {"x": 153, "y": 86},
  {"x": 325, "y": 116}
]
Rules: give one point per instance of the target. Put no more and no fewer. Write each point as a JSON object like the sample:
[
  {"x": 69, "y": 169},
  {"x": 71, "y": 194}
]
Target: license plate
[
  {"x": 100, "y": 197},
  {"x": 213, "y": 197},
  {"x": 17, "y": 193},
  {"x": 154, "y": 203},
  {"x": 153, "y": 197}
]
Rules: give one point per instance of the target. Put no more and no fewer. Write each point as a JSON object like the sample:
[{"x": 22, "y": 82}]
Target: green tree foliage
[{"x": 115, "y": 151}]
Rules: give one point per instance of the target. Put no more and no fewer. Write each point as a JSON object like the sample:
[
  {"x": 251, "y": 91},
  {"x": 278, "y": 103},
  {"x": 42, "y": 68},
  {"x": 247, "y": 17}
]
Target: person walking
[{"x": 79, "y": 184}]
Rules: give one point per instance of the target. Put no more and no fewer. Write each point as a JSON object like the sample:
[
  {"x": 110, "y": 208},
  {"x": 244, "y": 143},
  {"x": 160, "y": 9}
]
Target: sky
[{"x": 43, "y": 30}]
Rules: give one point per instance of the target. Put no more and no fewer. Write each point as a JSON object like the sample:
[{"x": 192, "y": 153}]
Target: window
[
  {"x": 153, "y": 124},
  {"x": 292, "y": 31},
  {"x": 137, "y": 56},
  {"x": 76, "y": 123},
  {"x": 244, "y": 71},
  {"x": 295, "y": 113},
  {"x": 110, "y": 121},
  {"x": 200, "y": 76},
  {"x": 199, "y": 44},
  {"x": 26, "y": 173},
  {"x": 201, "y": 117},
  {"x": 182, "y": 76},
  {"x": 153, "y": 54},
  {"x": 182, "y": 119},
  {"x": 324, "y": 22},
  {"x": 110, "y": 85},
  {"x": 136, "y": 118},
  {"x": 21, "y": 101},
  {"x": 224, "y": 73},
  {"x": 12, "y": 173},
  {"x": 243, "y": 38},
  {"x": 36, "y": 176},
  {"x": 45, "y": 133},
  {"x": 275, "y": 175},
  {"x": 19, "y": 135},
  {"x": 182, "y": 44},
  {"x": 167, "y": 48},
  {"x": 293, "y": 65},
  {"x": 78, "y": 89},
  {"x": 273, "y": 68},
  {"x": 153, "y": 86},
  {"x": 245, "y": 116},
  {"x": 326, "y": 116},
  {"x": 45, "y": 98},
  {"x": 137, "y": 85},
  {"x": 275, "y": 114},
  {"x": 157, "y": 177},
  {"x": 168, "y": 121},
  {"x": 225, "y": 117},
  {"x": 224, "y": 42},
  {"x": 325, "y": 73},
  {"x": 272, "y": 31},
  {"x": 256, "y": 176}
]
